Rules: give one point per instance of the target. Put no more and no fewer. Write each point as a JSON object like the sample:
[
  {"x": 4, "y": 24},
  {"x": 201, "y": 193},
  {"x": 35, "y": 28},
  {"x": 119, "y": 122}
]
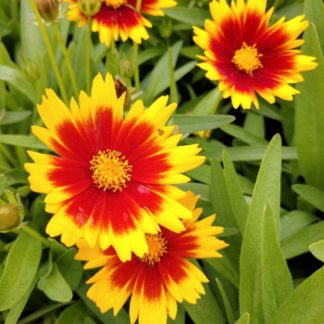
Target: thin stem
[
  {"x": 67, "y": 58},
  {"x": 135, "y": 55},
  {"x": 35, "y": 235},
  {"x": 49, "y": 49},
  {"x": 136, "y": 67},
  {"x": 88, "y": 57},
  {"x": 173, "y": 85}
]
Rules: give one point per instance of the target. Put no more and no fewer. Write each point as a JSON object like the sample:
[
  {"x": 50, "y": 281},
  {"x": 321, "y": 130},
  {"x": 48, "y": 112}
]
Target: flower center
[
  {"x": 115, "y": 3},
  {"x": 247, "y": 58},
  {"x": 157, "y": 245},
  {"x": 110, "y": 170}
]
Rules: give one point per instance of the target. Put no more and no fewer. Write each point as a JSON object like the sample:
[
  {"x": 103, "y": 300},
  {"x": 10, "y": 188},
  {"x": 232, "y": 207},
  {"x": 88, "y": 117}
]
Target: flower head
[
  {"x": 249, "y": 57},
  {"x": 159, "y": 279},
  {"x": 113, "y": 178},
  {"x": 119, "y": 19}
]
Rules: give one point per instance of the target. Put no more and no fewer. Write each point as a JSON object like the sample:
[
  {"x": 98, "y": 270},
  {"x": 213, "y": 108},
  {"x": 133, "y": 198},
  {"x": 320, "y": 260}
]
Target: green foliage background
[{"x": 264, "y": 175}]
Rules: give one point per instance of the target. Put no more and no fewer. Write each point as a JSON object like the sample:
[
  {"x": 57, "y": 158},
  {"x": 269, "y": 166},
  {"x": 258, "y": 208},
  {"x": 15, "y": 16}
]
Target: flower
[
  {"x": 162, "y": 277},
  {"x": 120, "y": 19},
  {"x": 247, "y": 56},
  {"x": 113, "y": 178}
]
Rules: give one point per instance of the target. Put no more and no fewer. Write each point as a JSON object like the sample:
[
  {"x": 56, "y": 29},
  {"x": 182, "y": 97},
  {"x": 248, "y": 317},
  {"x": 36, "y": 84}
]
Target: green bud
[
  {"x": 166, "y": 28},
  {"x": 9, "y": 217},
  {"x": 89, "y": 7},
  {"x": 30, "y": 68},
  {"x": 48, "y": 9}
]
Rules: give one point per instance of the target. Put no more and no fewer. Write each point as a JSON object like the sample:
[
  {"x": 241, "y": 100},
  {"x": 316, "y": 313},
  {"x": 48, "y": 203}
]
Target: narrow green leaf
[
  {"x": 300, "y": 242},
  {"x": 309, "y": 130},
  {"x": 191, "y": 123},
  {"x": 20, "y": 270},
  {"x": 11, "y": 117},
  {"x": 311, "y": 194},
  {"x": 293, "y": 222},
  {"x": 17, "y": 80},
  {"x": 190, "y": 16},
  {"x": 317, "y": 249},
  {"x": 305, "y": 304},
  {"x": 227, "y": 304},
  {"x": 206, "y": 105},
  {"x": 207, "y": 309},
  {"x": 55, "y": 287},
  {"x": 28, "y": 141},
  {"x": 234, "y": 192},
  {"x": 262, "y": 290},
  {"x": 242, "y": 134}
]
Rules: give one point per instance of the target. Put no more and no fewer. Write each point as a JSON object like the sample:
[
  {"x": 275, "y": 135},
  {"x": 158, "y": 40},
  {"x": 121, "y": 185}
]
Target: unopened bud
[
  {"x": 9, "y": 217},
  {"x": 89, "y": 7},
  {"x": 166, "y": 28},
  {"x": 30, "y": 68},
  {"x": 48, "y": 9}
]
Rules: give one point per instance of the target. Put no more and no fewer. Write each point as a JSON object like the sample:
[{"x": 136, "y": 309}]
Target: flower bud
[
  {"x": 48, "y": 9},
  {"x": 9, "y": 217},
  {"x": 166, "y": 28},
  {"x": 89, "y": 7}
]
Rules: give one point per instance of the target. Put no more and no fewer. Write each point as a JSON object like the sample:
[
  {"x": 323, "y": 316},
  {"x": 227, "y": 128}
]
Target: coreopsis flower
[
  {"x": 112, "y": 178},
  {"x": 159, "y": 279},
  {"x": 119, "y": 19},
  {"x": 249, "y": 57}
]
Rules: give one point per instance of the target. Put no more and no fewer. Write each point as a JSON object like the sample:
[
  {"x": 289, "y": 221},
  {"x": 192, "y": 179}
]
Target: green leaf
[
  {"x": 234, "y": 192},
  {"x": 242, "y": 134},
  {"x": 317, "y": 249},
  {"x": 20, "y": 270},
  {"x": 300, "y": 242},
  {"x": 11, "y": 117},
  {"x": 151, "y": 83},
  {"x": 206, "y": 105},
  {"x": 305, "y": 304},
  {"x": 314, "y": 12},
  {"x": 293, "y": 222},
  {"x": 309, "y": 130},
  {"x": 17, "y": 80},
  {"x": 262, "y": 290},
  {"x": 311, "y": 194},
  {"x": 55, "y": 287},
  {"x": 244, "y": 319},
  {"x": 190, "y": 16},
  {"x": 226, "y": 302},
  {"x": 28, "y": 141},
  {"x": 70, "y": 268},
  {"x": 74, "y": 314},
  {"x": 190, "y": 123},
  {"x": 207, "y": 309}
]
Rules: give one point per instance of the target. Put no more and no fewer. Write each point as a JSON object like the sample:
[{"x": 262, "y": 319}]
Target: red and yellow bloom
[
  {"x": 113, "y": 178},
  {"x": 249, "y": 57},
  {"x": 162, "y": 277},
  {"x": 119, "y": 19}
]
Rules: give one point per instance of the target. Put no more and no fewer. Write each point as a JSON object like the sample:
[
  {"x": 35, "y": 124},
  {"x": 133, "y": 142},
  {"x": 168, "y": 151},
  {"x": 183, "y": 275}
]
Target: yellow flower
[
  {"x": 162, "y": 277},
  {"x": 249, "y": 57},
  {"x": 112, "y": 178}
]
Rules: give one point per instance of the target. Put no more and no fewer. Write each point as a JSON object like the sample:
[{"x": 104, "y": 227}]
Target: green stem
[
  {"x": 67, "y": 58},
  {"x": 6, "y": 153},
  {"x": 216, "y": 103},
  {"x": 49, "y": 49},
  {"x": 173, "y": 84},
  {"x": 135, "y": 55},
  {"x": 33, "y": 317},
  {"x": 35, "y": 235},
  {"x": 88, "y": 57}
]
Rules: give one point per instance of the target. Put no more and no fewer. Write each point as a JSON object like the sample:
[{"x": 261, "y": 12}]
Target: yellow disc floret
[
  {"x": 110, "y": 170},
  {"x": 115, "y": 3},
  {"x": 157, "y": 246},
  {"x": 247, "y": 58}
]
